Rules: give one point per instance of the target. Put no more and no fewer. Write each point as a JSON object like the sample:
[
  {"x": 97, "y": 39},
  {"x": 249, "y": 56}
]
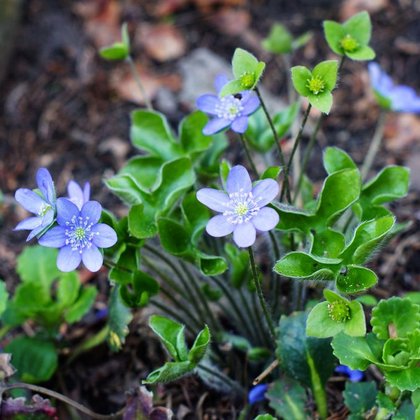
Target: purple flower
[
  {"x": 41, "y": 203},
  {"x": 257, "y": 394},
  {"x": 79, "y": 235},
  {"x": 230, "y": 110},
  {"x": 243, "y": 207},
  {"x": 398, "y": 98},
  {"x": 353, "y": 375},
  {"x": 77, "y": 195}
]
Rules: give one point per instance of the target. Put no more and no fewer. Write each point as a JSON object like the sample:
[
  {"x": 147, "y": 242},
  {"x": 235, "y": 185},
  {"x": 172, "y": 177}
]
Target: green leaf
[
  {"x": 355, "y": 352},
  {"x": 145, "y": 171},
  {"x": 272, "y": 172},
  {"x": 359, "y": 26},
  {"x": 353, "y": 279},
  {"x": 336, "y": 159},
  {"x": 404, "y": 380},
  {"x": 391, "y": 183},
  {"x": 138, "y": 293},
  {"x": 173, "y": 236},
  {"x": 170, "y": 371},
  {"x": 172, "y": 335},
  {"x": 211, "y": 265},
  {"x": 141, "y": 221},
  {"x": 239, "y": 265},
  {"x": 126, "y": 188},
  {"x": 327, "y": 72},
  {"x": 366, "y": 238},
  {"x": 68, "y": 288},
  {"x": 243, "y": 62},
  {"x": 191, "y": 134},
  {"x": 367, "y": 300},
  {"x": 279, "y": 40},
  {"x": 340, "y": 190},
  {"x": 265, "y": 417},
  {"x": 82, "y": 305},
  {"x": 364, "y": 53},
  {"x": 231, "y": 88},
  {"x": 117, "y": 51},
  {"x": 321, "y": 324},
  {"x": 38, "y": 264},
  {"x": 334, "y": 32},
  {"x": 308, "y": 360},
  {"x": 199, "y": 348},
  {"x": 395, "y": 317},
  {"x": 300, "y": 77},
  {"x": 360, "y": 397},
  {"x": 150, "y": 132},
  {"x": 127, "y": 263},
  {"x": 301, "y": 40},
  {"x": 4, "y": 296},
  {"x": 288, "y": 399},
  {"x": 36, "y": 360},
  {"x": 196, "y": 216},
  {"x": 322, "y": 101},
  {"x": 304, "y": 266},
  {"x": 327, "y": 243},
  {"x": 118, "y": 320}
]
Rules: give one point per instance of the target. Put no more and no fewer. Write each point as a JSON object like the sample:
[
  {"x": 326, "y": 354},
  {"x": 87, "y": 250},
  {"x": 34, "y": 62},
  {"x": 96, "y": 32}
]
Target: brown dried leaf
[
  {"x": 351, "y": 7},
  {"x": 401, "y": 132},
  {"x": 126, "y": 87},
  {"x": 231, "y": 21},
  {"x": 162, "y": 42}
]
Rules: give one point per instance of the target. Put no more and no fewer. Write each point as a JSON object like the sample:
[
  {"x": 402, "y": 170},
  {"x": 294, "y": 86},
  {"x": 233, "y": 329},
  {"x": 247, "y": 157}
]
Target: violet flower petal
[
  {"x": 86, "y": 192},
  {"x": 257, "y": 394},
  {"x": 68, "y": 260},
  {"x": 240, "y": 124},
  {"x": 30, "y": 200},
  {"x": 219, "y": 82},
  {"x": 244, "y": 234},
  {"x": 35, "y": 232},
  {"x": 238, "y": 180},
  {"x": 250, "y": 104},
  {"x": 266, "y": 219},
  {"x": 207, "y": 103},
  {"x": 29, "y": 223},
  {"x": 218, "y": 226},
  {"x": 265, "y": 191},
  {"x": 46, "y": 184},
  {"x": 215, "y": 125},
  {"x": 213, "y": 199},
  {"x": 54, "y": 238},
  {"x": 105, "y": 236},
  {"x": 75, "y": 194},
  {"x": 92, "y": 210},
  {"x": 92, "y": 258},
  {"x": 66, "y": 210}
]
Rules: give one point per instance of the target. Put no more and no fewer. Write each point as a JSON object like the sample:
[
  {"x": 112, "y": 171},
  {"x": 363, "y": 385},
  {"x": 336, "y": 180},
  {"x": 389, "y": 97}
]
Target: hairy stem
[{"x": 248, "y": 154}]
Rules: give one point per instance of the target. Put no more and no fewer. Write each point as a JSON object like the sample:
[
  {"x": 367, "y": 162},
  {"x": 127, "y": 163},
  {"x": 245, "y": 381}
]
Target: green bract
[
  {"x": 247, "y": 71},
  {"x": 172, "y": 335},
  {"x": 118, "y": 50},
  {"x": 352, "y": 37},
  {"x": 316, "y": 85}
]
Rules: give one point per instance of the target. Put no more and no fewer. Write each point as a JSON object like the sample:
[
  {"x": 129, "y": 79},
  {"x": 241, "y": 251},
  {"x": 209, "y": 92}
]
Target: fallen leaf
[
  {"x": 126, "y": 87},
  {"x": 231, "y": 21},
  {"x": 401, "y": 132},
  {"x": 351, "y": 7},
  {"x": 162, "y": 42}
]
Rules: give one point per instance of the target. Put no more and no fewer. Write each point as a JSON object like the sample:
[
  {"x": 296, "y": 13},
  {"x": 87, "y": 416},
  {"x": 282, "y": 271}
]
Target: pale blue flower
[
  {"x": 78, "y": 195},
  {"x": 242, "y": 208},
  {"x": 79, "y": 235},
  {"x": 227, "y": 111},
  {"x": 41, "y": 203},
  {"x": 398, "y": 98},
  {"x": 353, "y": 375},
  {"x": 257, "y": 394}
]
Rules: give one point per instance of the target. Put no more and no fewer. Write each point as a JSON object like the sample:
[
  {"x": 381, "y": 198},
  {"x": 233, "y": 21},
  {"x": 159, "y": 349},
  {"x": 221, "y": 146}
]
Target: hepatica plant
[{"x": 262, "y": 300}]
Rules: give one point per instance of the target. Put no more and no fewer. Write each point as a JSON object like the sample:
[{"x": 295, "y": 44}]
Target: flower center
[
  {"x": 349, "y": 44},
  {"x": 247, "y": 80},
  {"x": 229, "y": 108},
  {"x": 43, "y": 210},
  {"x": 241, "y": 207},
  {"x": 315, "y": 84},
  {"x": 79, "y": 233},
  {"x": 339, "y": 311}
]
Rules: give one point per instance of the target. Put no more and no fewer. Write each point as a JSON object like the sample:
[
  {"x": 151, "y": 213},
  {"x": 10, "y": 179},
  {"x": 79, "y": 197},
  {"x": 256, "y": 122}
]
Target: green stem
[
  {"x": 263, "y": 304},
  {"x": 137, "y": 79},
  {"x": 295, "y": 146},
  {"x": 45, "y": 391},
  {"x": 277, "y": 142},
  {"x": 248, "y": 154},
  {"x": 374, "y": 145}
]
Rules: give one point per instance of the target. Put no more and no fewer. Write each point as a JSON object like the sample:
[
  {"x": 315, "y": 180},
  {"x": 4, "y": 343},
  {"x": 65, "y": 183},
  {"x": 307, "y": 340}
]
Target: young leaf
[
  {"x": 404, "y": 380},
  {"x": 322, "y": 101},
  {"x": 199, "y": 348},
  {"x": 173, "y": 236},
  {"x": 336, "y": 159},
  {"x": 118, "y": 50},
  {"x": 327, "y": 243},
  {"x": 82, "y": 305},
  {"x": 191, "y": 135},
  {"x": 170, "y": 371},
  {"x": 210, "y": 265},
  {"x": 300, "y": 77},
  {"x": 353, "y": 279},
  {"x": 327, "y": 72},
  {"x": 359, "y": 26},
  {"x": 279, "y": 40},
  {"x": 138, "y": 293},
  {"x": 334, "y": 33}
]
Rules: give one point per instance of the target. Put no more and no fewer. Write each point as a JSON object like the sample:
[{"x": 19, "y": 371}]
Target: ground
[{"x": 64, "y": 108}]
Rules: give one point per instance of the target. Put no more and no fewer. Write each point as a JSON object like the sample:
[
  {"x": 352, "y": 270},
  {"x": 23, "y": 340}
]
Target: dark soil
[{"x": 58, "y": 110}]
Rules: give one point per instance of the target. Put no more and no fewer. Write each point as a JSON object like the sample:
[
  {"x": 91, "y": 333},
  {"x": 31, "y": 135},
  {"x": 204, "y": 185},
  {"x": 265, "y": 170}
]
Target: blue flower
[
  {"x": 398, "y": 98},
  {"x": 230, "y": 110},
  {"x": 243, "y": 207},
  {"x": 353, "y": 375},
  {"x": 257, "y": 394},
  {"x": 77, "y": 195},
  {"x": 79, "y": 235},
  {"x": 41, "y": 203}
]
